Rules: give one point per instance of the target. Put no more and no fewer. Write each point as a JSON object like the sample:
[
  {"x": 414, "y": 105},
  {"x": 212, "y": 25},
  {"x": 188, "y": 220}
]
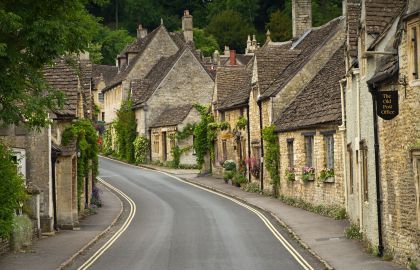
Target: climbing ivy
[
  {"x": 186, "y": 132},
  {"x": 125, "y": 127},
  {"x": 204, "y": 135},
  {"x": 141, "y": 149},
  {"x": 241, "y": 123},
  {"x": 87, "y": 146},
  {"x": 107, "y": 142},
  {"x": 12, "y": 191},
  {"x": 272, "y": 156}
]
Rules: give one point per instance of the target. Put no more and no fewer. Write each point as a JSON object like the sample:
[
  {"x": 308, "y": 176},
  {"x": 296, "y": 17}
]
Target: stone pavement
[
  {"x": 51, "y": 252},
  {"x": 323, "y": 236}
]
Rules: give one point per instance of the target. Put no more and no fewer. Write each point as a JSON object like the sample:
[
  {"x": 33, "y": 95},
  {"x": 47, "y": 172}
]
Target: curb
[
  {"x": 96, "y": 238},
  {"x": 282, "y": 223}
]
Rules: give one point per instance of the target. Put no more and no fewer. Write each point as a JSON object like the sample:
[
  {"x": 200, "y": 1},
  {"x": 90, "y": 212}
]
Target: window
[
  {"x": 413, "y": 34},
  {"x": 19, "y": 158},
  {"x": 363, "y": 61},
  {"x": 416, "y": 166},
  {"x": 350, "y": 154},
  {"x": 224, "y": 149},
  {"x": 364, "y": 159},
  {"x": 309, "y": 150},
  {"x": 290, "y": 153},
  {"x": 103, "y": 116},
  {"x": 101, "y": 97},
  {"x": 329, "y": 151},
  {"x": 156, "y": 144},
  {"x": 241, "y": 112},
  {"x": 222, "y": 116}
]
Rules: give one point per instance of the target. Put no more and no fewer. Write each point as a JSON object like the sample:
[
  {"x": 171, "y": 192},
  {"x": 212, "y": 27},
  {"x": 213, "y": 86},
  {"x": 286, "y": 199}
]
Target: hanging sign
[{"x": 387, "y": 104}]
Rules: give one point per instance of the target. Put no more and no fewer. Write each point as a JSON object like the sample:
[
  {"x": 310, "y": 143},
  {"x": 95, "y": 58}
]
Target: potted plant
[
  {"x": 229, "y": 167},
  {"x": 327, "y": 175},
  {"x": 290, "y": 174},
  {"x": 228, "y": 175},
  {"x": 308, "y": 174},
  {"x": 239, "y": 179}
]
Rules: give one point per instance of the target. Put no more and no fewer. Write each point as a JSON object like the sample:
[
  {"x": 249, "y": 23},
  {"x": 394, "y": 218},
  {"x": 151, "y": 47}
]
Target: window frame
[
  {"x": 364, "y": 170},
  {"x": 309, "y": 161},
  {"x": 351, "y": 168},
  {"x": 415, "y": 157},
  {"x": 290, "y": 153},
  {"x": 329, "y": 150},
  {"x": 413, "y": 49}
]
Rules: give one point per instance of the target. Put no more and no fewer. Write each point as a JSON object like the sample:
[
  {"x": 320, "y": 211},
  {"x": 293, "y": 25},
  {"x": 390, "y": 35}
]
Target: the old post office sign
[{"x": 387, "y": 104}]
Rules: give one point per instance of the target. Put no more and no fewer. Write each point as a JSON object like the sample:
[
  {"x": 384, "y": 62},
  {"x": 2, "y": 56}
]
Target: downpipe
[{"x": 262, "y": 148}]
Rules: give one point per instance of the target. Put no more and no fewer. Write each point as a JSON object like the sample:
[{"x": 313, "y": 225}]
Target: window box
[
  {"x": 330, "y": 179},
  {"x": 308, "y": 174}
]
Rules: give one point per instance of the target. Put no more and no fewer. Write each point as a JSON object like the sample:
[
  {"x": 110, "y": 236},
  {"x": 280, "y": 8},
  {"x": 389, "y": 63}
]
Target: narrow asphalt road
[{"x": 178, "y": 226}]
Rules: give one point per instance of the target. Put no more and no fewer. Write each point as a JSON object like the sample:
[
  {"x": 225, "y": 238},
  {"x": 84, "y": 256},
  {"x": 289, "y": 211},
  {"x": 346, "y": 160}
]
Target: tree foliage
[
  {"x": 280, "y": 26},
  {"x": 231, "y": 29},
  {"x": 272, "y": 156},
  {"x": 204, "y": 41},
  {"x": 125, "y": 127},
  {"x": 141, "y": 149},
  {"x": 12, "y": 191},
  {"x": 32, "y": 34}
]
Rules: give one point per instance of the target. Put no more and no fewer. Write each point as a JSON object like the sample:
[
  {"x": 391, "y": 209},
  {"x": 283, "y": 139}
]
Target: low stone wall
[{"x": 4, "y": 246}]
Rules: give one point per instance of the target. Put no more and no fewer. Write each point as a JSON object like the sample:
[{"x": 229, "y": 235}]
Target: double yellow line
[
  {"x": 305, "y": 265},
  {"x": 124, "y": 227}
]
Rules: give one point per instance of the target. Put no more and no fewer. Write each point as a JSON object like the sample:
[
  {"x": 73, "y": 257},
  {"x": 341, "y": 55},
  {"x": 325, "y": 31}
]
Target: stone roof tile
[
  {"x": 233, "y": 87},
  {"x": 172, "y": 116},
  {"x": 106, "y": 71},
  {"x": 380, "y": 13},
  {"x": 319, "y": 102}
]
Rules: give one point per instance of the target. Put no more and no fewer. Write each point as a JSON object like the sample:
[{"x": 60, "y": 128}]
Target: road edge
[
  {"x": 281, "y": 222},
  {"x": 72, "y": 258}
]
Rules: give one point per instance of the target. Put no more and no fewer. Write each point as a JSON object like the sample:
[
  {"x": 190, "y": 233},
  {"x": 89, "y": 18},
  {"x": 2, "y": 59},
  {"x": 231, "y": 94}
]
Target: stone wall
[
  {"x": 112, "y": 102},
  {"x": 186, "y": 83},
  {"x": 317, "y": 191},
  {"x": 4, "y": 246},
  {"x": 233, "y": 146},
  {"x": 397, "y": 138}
]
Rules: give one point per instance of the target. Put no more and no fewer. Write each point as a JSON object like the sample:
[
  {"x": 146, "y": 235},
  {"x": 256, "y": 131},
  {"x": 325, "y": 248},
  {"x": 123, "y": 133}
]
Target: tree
[
  {"x": 229, "y": 28},
  {"x": 32, "y": 34},
  {"x": 125, "y": 128},
  {"x": 112, "y": 43},
  {"x": 280, "y": 26},
  {"x": 205, "y": 42}
]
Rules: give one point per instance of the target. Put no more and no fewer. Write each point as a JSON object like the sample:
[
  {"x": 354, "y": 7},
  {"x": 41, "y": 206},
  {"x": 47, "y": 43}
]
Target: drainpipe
[
  {"x": 262, "y": 147},
  {"x": 357, "y": 147},
  {"x": 342, "y": 130},
  {"x": 150, "y": 145},
  {"x": 249, "y": 140},
  {"x": 373, "y": 91}
]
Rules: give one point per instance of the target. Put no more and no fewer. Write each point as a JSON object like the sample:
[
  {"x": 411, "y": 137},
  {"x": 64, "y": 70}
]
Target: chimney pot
[
  {"x": 232, "y": 58},
  {"x": 141, "y": 32},
  {"x": 187, "y": 26}
]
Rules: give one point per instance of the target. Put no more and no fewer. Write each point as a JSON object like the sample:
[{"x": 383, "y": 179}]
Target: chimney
[
  {"x": 232, "y": 57},
  {"x": 187, "y": 26},
  {"x": 141, "y": 32},
  {"x": 227, "y": 51},
  {"x": 301, "y": 16}
]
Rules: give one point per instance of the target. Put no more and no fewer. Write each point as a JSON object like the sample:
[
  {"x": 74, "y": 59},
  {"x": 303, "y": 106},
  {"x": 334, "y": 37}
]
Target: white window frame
[{"x": 20, "y": 155}]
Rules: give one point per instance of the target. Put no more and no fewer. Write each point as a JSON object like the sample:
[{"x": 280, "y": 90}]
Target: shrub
[
  {"x": 272, "y": 156},
  {"x": 290, "y": 174},
  {"x": 12, "y": 191},
  {"x": 229, "y": 165},
  {"x": 239, "y": 178},
  {"x": 251, "y": 187},
  {"x": 96, "y": 197},
  {"x": 141, "y": 149},
  {"x": 125, "y": 128},
  {"x": 22, "y": 232},
  {"x": 228, "y": 175},
  {"x": 241, "y": 123}
]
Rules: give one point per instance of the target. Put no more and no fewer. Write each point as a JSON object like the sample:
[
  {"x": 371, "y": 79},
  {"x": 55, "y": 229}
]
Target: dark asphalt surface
[{"x": 179, "y": 227}]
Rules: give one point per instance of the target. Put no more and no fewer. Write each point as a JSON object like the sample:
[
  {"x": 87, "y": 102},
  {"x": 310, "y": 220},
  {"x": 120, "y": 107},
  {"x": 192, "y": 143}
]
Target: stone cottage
[
  {"x": 163, "y": 134},
  {"x": 367, "y": 25},
  {"x": 230, "y": 105},
  {"x": 48, "y": 167},
  {"x": 102, "y": 76},
  {"x": 139, "y": 57},
  {"x": 311, "y": 166},
  {"x": 281, "y": 69},
  {"x": 395, "y": 86},
  {"x": 180, "y": 79}
]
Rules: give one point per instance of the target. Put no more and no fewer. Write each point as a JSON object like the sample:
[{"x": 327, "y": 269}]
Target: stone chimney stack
[
  {"x": 226, "y": 51},
  {"x": 187, "y": 26},
  {"x": 301, "y": 16},
  {"x": 141, "y": 32},
  {"x": 232, "y": 58}
]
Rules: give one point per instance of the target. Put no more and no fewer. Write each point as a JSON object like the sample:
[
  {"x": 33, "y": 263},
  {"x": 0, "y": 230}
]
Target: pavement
[
  {"x": 58, "y": 250},
  {"x": 323, "y": 236}
]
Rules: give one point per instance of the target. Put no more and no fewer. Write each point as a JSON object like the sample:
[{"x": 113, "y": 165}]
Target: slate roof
[
  {"x": 272, "y": 60},
  {"x": 63, "y": 77},
  {"x": 302, "y": 51},
  {"x": 319, "y": 102},
  {"x": 138, "y": 47},
  {"x": 142, "y": 89},
  {"x": 353, "y": 17},
  {"x": 233, "y": 87},
  {"x": 380, "y": 13},
  {"x": 386, "y": 67},
  {"x": 172, "y": 116},
  {"x": 108, "y": 73}
]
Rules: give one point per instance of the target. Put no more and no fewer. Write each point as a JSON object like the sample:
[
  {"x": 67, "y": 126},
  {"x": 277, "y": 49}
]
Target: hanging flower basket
[{"x": 225, "y": 135}]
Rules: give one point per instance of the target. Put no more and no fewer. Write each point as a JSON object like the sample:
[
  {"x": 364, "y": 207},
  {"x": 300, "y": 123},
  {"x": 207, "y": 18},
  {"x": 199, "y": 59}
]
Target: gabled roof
[
  {"x": 272, "y": 59},
  {"x": 142, "y": 89},
  {"x": 320, "y": 101},
  {"x": 380, "y": 13},
  {"x": 172, "y": 116},
  {"x": 63, "y": 77},
  {"x": 305, "y": 47},
  {"x": 233, "y": 87},
  {"x": 353, "y": 18},
  {"x": 106, "y": 71},
  {"x": 138, "y": 47}
]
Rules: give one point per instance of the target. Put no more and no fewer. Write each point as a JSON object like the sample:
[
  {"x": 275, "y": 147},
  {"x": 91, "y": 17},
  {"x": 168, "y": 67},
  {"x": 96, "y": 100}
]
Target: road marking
[
  {"x": 124, "y": 227},
  {"x": 267, "y": 223}
]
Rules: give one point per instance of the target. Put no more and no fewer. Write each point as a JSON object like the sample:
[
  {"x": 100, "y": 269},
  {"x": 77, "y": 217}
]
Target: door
[{"x": 164, "y": 146}]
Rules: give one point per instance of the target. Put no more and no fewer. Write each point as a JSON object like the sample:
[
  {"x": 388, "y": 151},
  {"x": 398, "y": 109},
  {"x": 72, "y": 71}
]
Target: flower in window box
[
  {"x": 326, "y": 174},
  {"x": 290, "y": 174},
  {"x": 308, "y": 174}
]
